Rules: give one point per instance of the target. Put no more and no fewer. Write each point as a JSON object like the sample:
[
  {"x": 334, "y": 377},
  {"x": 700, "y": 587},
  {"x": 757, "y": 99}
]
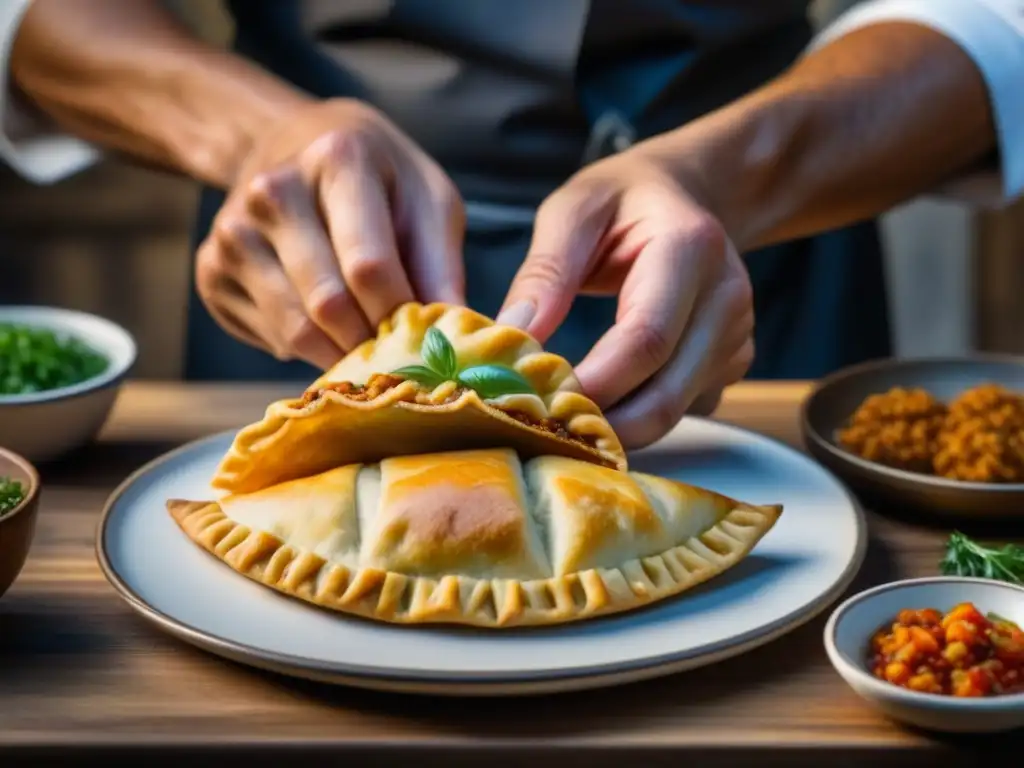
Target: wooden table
[{"x": 82, "y": 676}]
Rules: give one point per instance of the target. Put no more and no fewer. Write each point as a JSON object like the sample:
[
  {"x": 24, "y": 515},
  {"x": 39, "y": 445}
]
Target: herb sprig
[
  {"x": 440, "y": 364},
  {"x": 965, "y": 557},
  {"x": 38, "y": 359},
  {"x": 11, "y": 494}
]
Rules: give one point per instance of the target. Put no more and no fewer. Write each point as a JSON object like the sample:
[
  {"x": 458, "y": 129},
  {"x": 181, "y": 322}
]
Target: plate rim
[{"x": 363, "y": 675}]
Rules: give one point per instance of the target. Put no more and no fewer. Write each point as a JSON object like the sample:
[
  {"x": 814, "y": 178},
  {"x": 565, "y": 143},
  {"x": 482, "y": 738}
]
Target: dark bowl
[
  {"x": 17, "y": 526},
  {"x": 836, "y": 397}
]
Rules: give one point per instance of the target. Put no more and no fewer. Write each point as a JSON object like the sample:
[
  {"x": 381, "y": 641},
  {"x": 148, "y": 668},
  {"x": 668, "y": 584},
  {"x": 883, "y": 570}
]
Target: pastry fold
[
  {"x": 477, "y": 537},
  {"x": 360, "y": 412}
]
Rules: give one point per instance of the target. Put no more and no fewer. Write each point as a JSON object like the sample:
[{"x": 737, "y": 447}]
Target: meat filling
[{"x": 379, "y": 383}]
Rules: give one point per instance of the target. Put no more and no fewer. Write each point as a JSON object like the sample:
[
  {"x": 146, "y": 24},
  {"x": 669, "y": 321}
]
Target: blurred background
[{"x": 115, "y": 241}]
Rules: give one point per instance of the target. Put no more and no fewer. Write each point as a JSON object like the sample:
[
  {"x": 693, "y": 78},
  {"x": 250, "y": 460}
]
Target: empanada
[
  {"x": 477, "y": 537},
  {"x": 493, "y": 386}
]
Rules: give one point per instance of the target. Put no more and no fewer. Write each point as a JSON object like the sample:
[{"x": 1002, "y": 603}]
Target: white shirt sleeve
[
  {"x": 991, "y": 32},
  {"x": 30, "y": 143}
]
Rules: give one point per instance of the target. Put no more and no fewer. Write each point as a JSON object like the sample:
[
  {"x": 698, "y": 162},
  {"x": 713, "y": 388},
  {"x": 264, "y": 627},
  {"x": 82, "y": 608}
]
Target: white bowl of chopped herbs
[{"x": 60, "y": 373}]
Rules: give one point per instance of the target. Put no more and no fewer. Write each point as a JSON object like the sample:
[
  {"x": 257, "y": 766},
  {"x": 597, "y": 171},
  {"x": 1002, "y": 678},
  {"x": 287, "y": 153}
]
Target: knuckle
[
  {"x": 233, "y": 236},
  {"x": 280, "y": 352},
  {"x": 740, "y": 297},
  {"x": 299, "y": 333},
  {"x": 666, "y": 415},
  {"x": 656, "y": 423},
  {"x": 207, "y": 276},
  {"x": 707, "y": 235},
  {"x": 449, "y": 199},
  {"x": 539, "y": 272},
  {"x": 744, "y": 358},
  {"x": 342, "y": 146},
  {"x": 211, "y": 268},
  {"x": 366, "y": 270},
  {"x": 651, "y": 346},
  {"x": 329, "y": 304},
  {"x": 268, "y": 193}
]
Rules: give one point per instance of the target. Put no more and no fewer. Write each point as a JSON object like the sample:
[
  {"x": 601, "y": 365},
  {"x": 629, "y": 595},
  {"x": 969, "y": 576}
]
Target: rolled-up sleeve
[
  {"x": 991, "y": 32},
  {"x": 29, "y": 143}
]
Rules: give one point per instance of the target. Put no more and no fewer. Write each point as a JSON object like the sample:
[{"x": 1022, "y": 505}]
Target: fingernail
[{"x": 519, "y": 315}]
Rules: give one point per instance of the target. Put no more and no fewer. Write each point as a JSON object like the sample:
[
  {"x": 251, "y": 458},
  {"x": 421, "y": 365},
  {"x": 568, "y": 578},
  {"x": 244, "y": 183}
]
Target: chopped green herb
[
  {"x": 11, "y": 494},
  {"x": 38, "y": 359},
  {"x": 440, "y": 365},
  {"x": 969, "y": 558}
]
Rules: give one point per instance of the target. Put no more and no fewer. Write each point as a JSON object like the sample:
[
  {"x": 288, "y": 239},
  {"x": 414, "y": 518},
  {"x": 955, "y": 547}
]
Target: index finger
[
  {"x": 283, "y": 202},
  {"x": 655, "y": 305},
  {"x": 356, "y": 208}
]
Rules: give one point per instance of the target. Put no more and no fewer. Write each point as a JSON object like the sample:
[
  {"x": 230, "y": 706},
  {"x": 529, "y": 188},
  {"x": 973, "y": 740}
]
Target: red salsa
[{"x": 962, "y": 653}]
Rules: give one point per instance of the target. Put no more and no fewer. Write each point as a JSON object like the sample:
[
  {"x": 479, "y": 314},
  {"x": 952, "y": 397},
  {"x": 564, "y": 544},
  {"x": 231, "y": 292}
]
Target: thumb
[{"x": 567, "y": 231}]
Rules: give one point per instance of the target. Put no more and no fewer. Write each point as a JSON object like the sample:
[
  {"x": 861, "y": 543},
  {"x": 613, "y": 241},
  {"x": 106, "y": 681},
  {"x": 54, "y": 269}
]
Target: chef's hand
[
  {"x": 685, "y": 320},
  {"x": 335, "y": 219}
]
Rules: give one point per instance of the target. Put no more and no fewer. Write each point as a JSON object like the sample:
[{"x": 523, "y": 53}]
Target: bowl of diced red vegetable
[{"x": 943, "y": 653}]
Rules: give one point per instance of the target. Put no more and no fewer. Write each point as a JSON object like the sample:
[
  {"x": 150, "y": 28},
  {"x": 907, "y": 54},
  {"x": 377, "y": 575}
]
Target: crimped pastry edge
[
  {"x": 562, "y": 399},
  {"x": 397, "y": 598},
  {"x": 251, "y": 439}
]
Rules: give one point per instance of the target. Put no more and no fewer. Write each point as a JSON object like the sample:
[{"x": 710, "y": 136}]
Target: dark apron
[{"x": 511, "y": 98}]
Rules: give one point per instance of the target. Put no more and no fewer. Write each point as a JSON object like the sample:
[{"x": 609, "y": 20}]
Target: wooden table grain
[{"x": 83, "y": 678}]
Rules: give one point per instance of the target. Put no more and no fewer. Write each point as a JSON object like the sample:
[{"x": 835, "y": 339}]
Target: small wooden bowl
[{"x": 17, "y": 526}]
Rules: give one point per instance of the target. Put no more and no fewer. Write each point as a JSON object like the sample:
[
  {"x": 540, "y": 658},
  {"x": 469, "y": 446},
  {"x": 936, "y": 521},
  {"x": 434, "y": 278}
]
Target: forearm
[
  {"x": 129, "y": 77},
  {"x": 873, "y": 119}
]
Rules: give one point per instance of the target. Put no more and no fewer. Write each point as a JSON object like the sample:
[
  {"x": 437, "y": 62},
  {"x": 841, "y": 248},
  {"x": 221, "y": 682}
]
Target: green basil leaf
[
  {"x": 439, "y": 354},
  {"x": 490, "y": 381},
  {"x": 421, "y": 375}
]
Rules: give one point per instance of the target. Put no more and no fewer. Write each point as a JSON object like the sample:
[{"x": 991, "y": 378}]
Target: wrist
[
  {"x": 130, "y": 78},
  {"x": 869, "y": 121},
  {"x": 215, "y": 123},
  {"x": 736, "y": 163}
]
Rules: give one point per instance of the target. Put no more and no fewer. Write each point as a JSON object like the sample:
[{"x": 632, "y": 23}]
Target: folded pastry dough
[
  {"x": 477, "y": 537},
  {"x": 358, "y": 412}
]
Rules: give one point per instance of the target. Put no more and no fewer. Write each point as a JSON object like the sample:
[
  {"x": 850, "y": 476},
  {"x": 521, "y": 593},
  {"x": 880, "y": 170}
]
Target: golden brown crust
[
  {"x": 350, "y": 586},
  {"x": 296, "y": 439}
]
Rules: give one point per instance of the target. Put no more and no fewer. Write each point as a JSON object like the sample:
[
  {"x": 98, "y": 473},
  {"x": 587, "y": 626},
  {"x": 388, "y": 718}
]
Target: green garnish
[
  {"x": 965, "y": 557},
  {"x": 995, "y": 618},
  {"x": 37, "y": 359},
  {"x": 11, "y": 494},
  {"x": 490, "y": 381},
  {"x": 441, "y": 365}
]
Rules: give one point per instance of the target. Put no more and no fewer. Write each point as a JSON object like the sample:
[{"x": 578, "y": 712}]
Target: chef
[{"x": 632, "y": 182}]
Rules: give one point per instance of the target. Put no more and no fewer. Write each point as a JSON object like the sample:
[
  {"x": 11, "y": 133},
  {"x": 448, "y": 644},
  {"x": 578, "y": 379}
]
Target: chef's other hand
[
  {"x": 684, "y": 326},
  {"x": 335, "y": 219}
]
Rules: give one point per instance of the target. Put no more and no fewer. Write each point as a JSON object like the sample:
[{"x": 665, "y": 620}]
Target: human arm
[
  {"x": 303, "y": 259},
  {"x": 875, "y": 116}
]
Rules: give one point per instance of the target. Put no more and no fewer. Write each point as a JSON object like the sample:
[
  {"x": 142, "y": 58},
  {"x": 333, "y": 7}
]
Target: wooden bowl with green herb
[
  {"x": 19, "y": 506},
  {"x": 60, "y": 373}
]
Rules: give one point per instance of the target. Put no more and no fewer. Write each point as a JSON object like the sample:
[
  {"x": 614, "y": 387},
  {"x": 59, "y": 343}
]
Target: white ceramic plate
[{"x": 795, "y": 572}]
